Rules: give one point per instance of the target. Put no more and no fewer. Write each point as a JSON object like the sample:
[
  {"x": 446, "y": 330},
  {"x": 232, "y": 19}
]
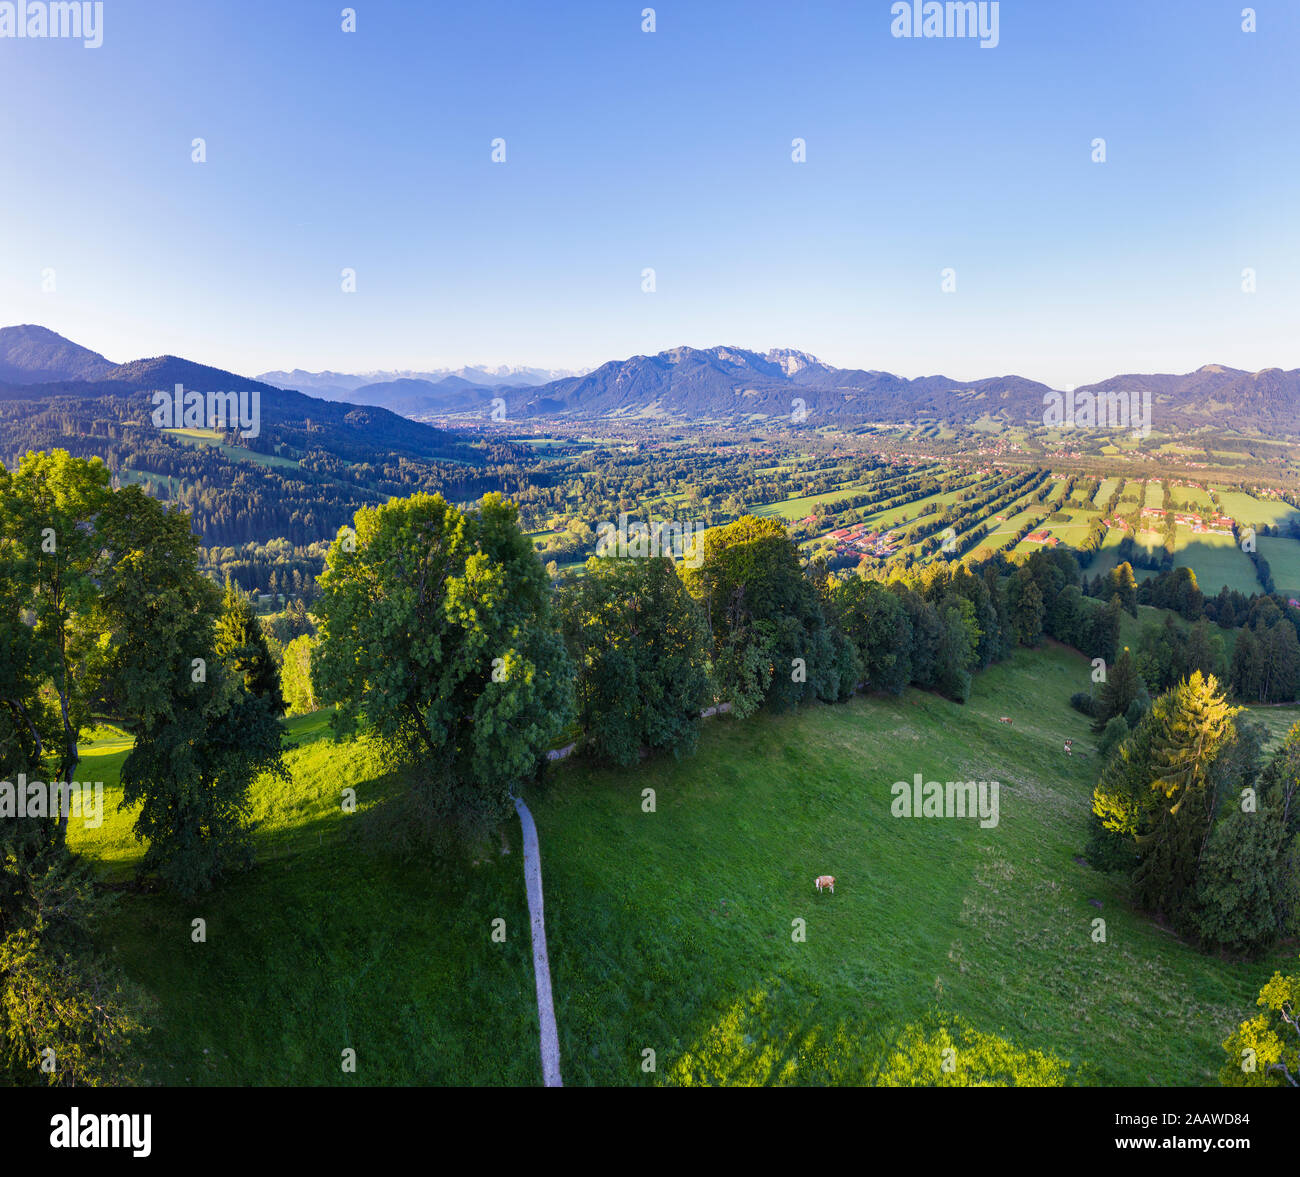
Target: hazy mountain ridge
[
  {"x": 340, "y": 385},
  {"x": 731, "y": 381},
  {"x": 683, "y": 383},
  {"x": 128, "y": 389},
  {"x": 31, "y": 354},
  {"x": 727, "y": 382}
]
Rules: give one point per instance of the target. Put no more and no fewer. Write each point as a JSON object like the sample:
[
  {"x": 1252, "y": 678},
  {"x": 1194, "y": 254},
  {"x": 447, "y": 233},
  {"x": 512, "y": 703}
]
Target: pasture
[
  {"x": 1283, "y": 556},
  {"x": 1252, "y": 512},
  {"x": 1217, "y": 561},
  {"x": 213, "y": 437},
  {"x": 671, "y": 931},
  {"x": 341, "y": 936}
]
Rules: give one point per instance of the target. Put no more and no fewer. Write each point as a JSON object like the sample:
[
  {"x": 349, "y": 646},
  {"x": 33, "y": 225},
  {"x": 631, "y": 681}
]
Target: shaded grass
[
  {"x": 335, "y": 940},
  {"x": 671, "y": 931}
]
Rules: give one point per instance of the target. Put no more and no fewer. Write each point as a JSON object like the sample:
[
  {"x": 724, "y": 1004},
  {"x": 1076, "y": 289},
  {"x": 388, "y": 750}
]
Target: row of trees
[{"x": 439, "y": 632}]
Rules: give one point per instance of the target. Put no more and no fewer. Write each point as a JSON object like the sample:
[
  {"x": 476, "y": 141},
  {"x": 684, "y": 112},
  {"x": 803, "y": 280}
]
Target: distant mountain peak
[
  {"x": 791, "y": 360},
  {"x": 32, "y": 354}
]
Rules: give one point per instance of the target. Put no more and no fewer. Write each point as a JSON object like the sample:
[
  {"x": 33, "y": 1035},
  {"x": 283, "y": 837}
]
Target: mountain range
[
  {"x": 684, "y": 383},
  {"x": 339, "y": 386},
  {"x": 733, "y": 383},
  {"x": 42, "y": 369}
]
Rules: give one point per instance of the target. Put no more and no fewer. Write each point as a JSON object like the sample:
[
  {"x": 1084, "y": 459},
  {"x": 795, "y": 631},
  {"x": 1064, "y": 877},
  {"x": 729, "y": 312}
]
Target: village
[{"x": 857, "y": 541}]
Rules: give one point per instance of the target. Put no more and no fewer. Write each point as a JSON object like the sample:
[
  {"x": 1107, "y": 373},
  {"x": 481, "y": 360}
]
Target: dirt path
[{"x": 541, "y": 967}]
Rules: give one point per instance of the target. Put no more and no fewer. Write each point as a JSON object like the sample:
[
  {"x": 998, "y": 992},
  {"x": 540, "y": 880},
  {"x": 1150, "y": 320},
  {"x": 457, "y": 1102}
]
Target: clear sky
[{"x": 672, "y": 150}]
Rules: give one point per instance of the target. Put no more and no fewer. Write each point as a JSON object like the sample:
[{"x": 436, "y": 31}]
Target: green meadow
[
  {"x": 674, "y": 931},
  {"x": 1283, "y": 556},
  {"x": 1216, "y": 560},
  {"x": 343, "y": 936},
  {"x": 201, "y": 437},
  {"x": 671, "y": 931},
  {"x": 1252, "y": 512}
]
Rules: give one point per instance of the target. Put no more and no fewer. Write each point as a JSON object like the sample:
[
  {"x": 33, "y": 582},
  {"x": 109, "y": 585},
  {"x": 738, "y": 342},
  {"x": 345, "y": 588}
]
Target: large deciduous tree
[
  {"x": 437, "y": 635},
  {"x": 764, "y": 618},
  {"x": 66, "y": 1017},
  {"x": 55, "y": 501},
  {"x": 201, "y": 737},
  {"x": 640, "y": 648}
]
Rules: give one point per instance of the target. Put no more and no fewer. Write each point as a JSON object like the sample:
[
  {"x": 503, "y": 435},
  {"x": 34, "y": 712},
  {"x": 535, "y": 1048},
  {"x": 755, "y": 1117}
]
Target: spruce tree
[
  {"x": 242, "y": 646},
  {"x": 1190, "y": 727},
  {"x": 1121, "y": 687}
]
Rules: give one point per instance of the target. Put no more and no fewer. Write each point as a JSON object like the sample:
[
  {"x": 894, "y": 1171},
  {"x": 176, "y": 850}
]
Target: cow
[
  {"x": 1069, "y": 747},
  {"x": 1005, "y": 719},
  {"x": 825, "y": 881}
]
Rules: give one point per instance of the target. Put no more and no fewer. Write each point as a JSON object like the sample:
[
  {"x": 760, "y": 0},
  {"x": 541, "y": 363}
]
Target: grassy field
[
  {"x": 792, "y": 509},
  {"x": 1199, "y": 499},
  {"x": 234, "y": 453},
  {"x": 671, "y": 931},
  {"x": 336, "y": 939},
  {"x": 1104, "y": 491},
  {"x": 1015, "y": 517},
  {"x": 1252, "y": 512},
  {"x": 1217, "y": 561},
  {"x": 1283, "y": 556},
  {"x": 1070, "y": 530}
]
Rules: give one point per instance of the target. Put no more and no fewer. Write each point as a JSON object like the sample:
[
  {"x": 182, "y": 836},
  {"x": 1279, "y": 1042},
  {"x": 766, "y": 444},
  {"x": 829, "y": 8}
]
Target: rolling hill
[
  {"x": 124, "y": 393},
  {"x": 34, "y": 355}
]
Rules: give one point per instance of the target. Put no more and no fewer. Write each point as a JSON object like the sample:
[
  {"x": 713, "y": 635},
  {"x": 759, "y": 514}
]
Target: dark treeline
[{"x": 1265, "y": 662}]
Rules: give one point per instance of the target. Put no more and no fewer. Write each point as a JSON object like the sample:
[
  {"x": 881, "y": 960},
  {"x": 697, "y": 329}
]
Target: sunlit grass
[{"x": 949, "y": 954}]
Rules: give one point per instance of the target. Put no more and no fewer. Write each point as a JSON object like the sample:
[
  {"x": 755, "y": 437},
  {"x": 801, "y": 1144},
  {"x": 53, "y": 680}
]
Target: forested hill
[
  {"x": 355, "y": 427},
  {"x": 31, "y": 354},
  {"x": 311, "y": 465}
]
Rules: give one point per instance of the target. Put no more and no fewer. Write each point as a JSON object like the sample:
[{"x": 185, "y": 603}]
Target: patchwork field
[{"x": 1000, "y": 533}]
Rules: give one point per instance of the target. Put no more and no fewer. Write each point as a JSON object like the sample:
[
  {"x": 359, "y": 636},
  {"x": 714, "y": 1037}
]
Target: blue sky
[{"x": 671, "y": 150}]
